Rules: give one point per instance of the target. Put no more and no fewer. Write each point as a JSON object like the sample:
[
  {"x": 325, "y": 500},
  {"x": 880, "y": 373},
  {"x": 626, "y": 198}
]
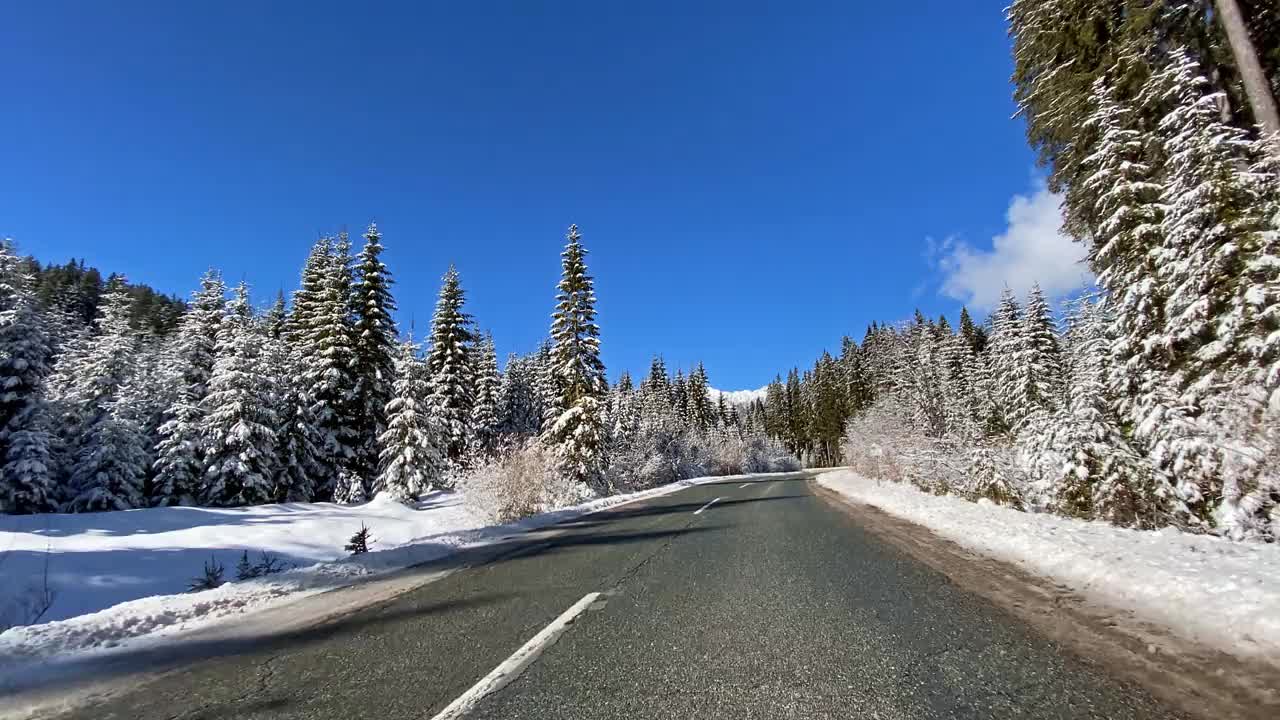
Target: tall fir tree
[
  {"x": 484, "y": 411},
  {"x": 178, "y": 465},
  {"x": 412, "y": 459},
  {"x": 239, "y": 432},
  {"x": 374, "y": 356},
  {"x": 26, "y": 467},
  {"x": 519, "y": 404},
  {"x": 107, "y": 451},
  {"x": 1038, "y": 377},
  {"x": 701, "y": 411},
  {"x": 325, "y": 341},
  {"x": 450, "y": 367},
  {"x": 578, "y": 434}
]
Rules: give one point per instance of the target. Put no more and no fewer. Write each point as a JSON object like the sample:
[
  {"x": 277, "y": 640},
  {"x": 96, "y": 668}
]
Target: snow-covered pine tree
[
  {"x": 412, "y": 461},
  {"x": 375, "y": 356},
  {"x": 1078, "y": 456},
  {"x": 971, "y": 331},
  {"x": 26, "y": 478},
  {"x": 680, "y": 399},
  {"x": 26, "y": 470},
  {"x": 545, "y": 385},
  {"x": 178, "y": 466},
  {"x": 829, "y": 410},
  {"x": 1038, "y": 376},
  {"x": 657, "y": 410},
  {"x": 918, "y": 379},
  {"x": 578, "y": 434},
  {"x": 1005, "y": 355},
  {"x": 1218, "y": 274},
  {"x": 484, "y": 411},
  {"x": 107, "y": 451},
  {"x": 323, "y": 335},
  {"x": 1128, "y": 246},
  {"x": 24, "y": 344},
  {"x": 148, "y": 392},
  {"x": 450, "y": 369},
  {"x": 623, "y": 411},
  {"x": 956, "y": 355},
  {"x": 519, "y": 406},
  {"x": 110, "y": 462},
  {"x": 301, "y": 468},
  {"x": 239, "y": 433},
  {"x": 701, "y": 411}
]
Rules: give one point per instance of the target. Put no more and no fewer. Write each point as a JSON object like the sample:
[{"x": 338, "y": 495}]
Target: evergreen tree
[
  {"x": 1218, "y": 274},
  {"x": 701, "y": 412},
  {"x": 110, "y": 463},
  {"x": 26, "y": 480},
  {"x": 484, "y": 411},
  {"x": 1005, "y": 354},
  {"x": 322, "y": 333},
  {"x": 412, "y": 461},
  {"x": 374, "y": 356},
  {"x": 239, "y": 433},
  {"x": 680, "y": 399},
  {"x": 178, "y": 465},
  {"x": 301, "y": 471},
  {"x": 520, "y": 407},
  {"x": 450, "y": 368},
  {"x": 657, "y": 409},
  {"x": 971, "y": 332},
  {"x": 578, "y": 434},
  {"x": 107, "y": 451},
  {"x": 1038, "y": 378}
]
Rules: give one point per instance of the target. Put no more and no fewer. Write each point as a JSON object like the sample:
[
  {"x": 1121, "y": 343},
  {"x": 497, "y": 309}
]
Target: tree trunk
[{"x": 1256, "y": 86}]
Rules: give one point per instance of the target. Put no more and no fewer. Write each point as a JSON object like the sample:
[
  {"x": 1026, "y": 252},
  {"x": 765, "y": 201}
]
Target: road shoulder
[{"x": 1195, "y": 679}]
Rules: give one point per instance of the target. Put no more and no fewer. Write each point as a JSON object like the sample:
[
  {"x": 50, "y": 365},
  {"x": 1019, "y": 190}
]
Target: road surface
[{"x": 727, "y": 600}]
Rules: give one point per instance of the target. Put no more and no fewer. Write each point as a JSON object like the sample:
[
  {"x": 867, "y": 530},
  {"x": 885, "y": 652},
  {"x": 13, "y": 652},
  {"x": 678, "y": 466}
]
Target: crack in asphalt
[{"x": 635, "y": 569}]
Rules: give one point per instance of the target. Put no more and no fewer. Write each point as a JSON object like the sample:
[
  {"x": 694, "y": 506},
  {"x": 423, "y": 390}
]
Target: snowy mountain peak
[{"x": 737, "y": 397}]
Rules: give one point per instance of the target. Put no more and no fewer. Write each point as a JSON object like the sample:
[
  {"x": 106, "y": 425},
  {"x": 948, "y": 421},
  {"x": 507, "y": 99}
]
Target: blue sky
[{"x": 753, "y": 180}]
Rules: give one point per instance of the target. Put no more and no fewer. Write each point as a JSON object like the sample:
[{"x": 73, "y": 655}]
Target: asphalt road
[{"x": 770, "y": 603}]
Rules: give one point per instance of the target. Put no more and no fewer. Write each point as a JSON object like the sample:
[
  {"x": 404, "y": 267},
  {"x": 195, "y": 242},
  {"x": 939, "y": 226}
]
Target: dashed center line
[
  {"x": 511, "y": 668},
  {"x": 704, "y": 507}
]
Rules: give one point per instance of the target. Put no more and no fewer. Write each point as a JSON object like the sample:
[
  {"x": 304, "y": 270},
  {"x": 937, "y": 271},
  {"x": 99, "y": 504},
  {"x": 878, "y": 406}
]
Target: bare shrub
[
  {"x": 31, "y": 603},
  {"x": 518, "y": 482}
]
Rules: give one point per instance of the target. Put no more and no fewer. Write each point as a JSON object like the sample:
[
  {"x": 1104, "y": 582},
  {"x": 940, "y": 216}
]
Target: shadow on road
[{"x": 586, "y": 532}]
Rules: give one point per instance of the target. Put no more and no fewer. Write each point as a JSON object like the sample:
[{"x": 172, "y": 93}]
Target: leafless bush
[
  {"x": 30, "y": 603},
  {"x": 518, "y": 482}
]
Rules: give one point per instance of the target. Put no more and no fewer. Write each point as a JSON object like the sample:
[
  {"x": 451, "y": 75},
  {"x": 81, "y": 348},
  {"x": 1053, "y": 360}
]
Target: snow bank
[
  {"x": 120, "y": 576},
  {"x": 1222, "y": 594}
]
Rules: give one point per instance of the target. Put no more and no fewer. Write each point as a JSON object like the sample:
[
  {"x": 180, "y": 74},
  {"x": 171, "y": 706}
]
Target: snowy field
[
  {"x": 1222, "y": 594},
  {"x": 120, "y": 577}
]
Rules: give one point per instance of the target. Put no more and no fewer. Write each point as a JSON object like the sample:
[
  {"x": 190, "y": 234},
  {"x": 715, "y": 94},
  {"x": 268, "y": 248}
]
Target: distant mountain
[{"x": 737, "y": 397}]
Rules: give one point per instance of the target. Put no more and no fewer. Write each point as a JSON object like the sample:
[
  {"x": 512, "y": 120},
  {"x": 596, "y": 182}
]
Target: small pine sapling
[
  {"x": 211, "y": 578},
  {"x": 245, "y": 569},
  {"x": 360, "y": 542},
  {"x": 266, "y": 565}
]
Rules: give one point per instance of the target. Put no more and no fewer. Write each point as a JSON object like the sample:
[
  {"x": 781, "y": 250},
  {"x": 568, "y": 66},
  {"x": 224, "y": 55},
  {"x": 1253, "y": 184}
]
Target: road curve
[{"x": 724, "y": 600}]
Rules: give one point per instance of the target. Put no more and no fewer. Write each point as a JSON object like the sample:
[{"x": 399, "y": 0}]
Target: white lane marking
[
  {"x": 743, "y": 485},
  {"x": 511, "y": 668},
  {"x": 704, "y": 507}
]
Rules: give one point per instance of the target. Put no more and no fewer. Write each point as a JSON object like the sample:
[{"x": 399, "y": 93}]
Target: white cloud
[{"x": 1032, "y": 249}]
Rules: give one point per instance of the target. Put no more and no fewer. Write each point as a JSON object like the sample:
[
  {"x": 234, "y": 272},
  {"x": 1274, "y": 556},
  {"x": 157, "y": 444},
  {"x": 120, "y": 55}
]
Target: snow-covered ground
[
  {"x": 1222, "y": 594},
  {"x": 120, "y": 577}
]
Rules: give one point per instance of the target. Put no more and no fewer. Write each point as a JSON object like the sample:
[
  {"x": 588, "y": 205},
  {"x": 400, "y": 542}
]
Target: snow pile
[
  {"x": 1223, "y": 594},
  {"x": 119, "y": 576}
]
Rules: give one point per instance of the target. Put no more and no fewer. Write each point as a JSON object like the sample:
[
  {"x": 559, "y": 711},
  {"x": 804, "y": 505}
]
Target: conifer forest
[{"x": 1151, "y": 400}]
